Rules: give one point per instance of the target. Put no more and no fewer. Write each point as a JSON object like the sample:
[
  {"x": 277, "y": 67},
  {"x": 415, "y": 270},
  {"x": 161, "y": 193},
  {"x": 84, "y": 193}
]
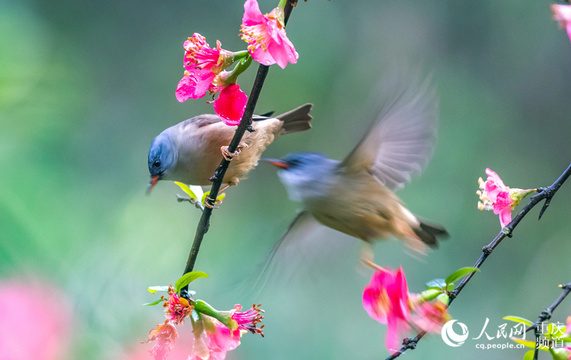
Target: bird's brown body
[
  {"x": 200, "y": 142},
  {"x": 355, "y": 196},
  {"x": 190, "y": 151}
]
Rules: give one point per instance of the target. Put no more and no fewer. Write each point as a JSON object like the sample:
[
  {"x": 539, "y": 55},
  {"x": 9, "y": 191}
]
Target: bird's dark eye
[
  {"x": 294, "y": 163},
  {"x": 157, "y": 163}
]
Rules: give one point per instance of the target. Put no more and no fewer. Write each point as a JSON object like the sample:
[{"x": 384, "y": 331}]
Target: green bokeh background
[{"x": 85, "y": 86}]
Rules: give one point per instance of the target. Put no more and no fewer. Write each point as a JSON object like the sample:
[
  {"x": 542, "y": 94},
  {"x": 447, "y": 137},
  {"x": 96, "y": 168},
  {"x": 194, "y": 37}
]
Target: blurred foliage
[{"x": 85, "y": 86}]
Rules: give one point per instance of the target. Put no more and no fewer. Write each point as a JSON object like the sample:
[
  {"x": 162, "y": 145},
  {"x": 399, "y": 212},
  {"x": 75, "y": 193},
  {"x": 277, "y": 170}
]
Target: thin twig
[
  {"x": 546, "y": 315},
  {"x": 245, "y": 125},
  {"x": 546, "y": 194}
]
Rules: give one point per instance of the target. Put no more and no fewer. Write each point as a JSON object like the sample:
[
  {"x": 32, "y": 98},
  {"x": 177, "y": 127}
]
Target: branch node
[
  {"x": 565, "y": 286},
  {"x": 545, "y": 315},
  {"x": 548, "y": 193},
  {"x": 508, "y": 231},
  {"x": 409, "y": 343},
  {"x": 486, "y": 250}
]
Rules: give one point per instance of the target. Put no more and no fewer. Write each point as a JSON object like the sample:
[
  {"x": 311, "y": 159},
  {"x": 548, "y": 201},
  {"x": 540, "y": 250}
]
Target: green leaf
[
  {"x": 438, "y": 284},
  {"x": 460, "y": 273},
  {"x": 518, "y": 319},
  {"x": 529, "y": 355},
  {"x": 186, "y": 189},
  {"x": 443, "y": 298},
  {"x": 188, "y": 278},
  {"x": 154, "y": 289},
  {"x": 430, "y": 294},
  {"x": 153, "y": 303}
]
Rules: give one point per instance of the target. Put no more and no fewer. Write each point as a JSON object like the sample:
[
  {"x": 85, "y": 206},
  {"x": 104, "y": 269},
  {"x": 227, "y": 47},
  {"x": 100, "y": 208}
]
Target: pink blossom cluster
[
  {"x": 212, "y": 338},
  {"x": 205, "y": 67},
  {"x": 387, "y": 300},
  {"x": 496, "y": 196}
]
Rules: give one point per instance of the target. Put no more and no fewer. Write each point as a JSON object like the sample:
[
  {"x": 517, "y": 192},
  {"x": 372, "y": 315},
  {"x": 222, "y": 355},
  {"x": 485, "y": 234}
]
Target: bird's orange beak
[
  {"x": 276, "y": 162},
  {"x": 152, "y": 184}
]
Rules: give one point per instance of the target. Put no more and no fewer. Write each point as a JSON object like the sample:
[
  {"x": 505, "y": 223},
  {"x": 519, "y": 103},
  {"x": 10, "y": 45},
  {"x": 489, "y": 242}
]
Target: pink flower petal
[
  {"x": 505, "y": 216},
  {"x": 230, "y": 104},
  {"x": 194, "y": 85},
  {"x": 561, "y": 12},
  {"x": 252, "y": 13},
  {"x": 224, "y": 339},
  {"x": 395, "y": 333},
  {"x": 494, "y": 185},
  {"x": 164, "y": 336},
  {"x": 263, "y": 57}
]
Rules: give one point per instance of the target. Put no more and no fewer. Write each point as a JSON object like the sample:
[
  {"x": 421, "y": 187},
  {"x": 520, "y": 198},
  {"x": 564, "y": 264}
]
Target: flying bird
[
  {"x": 190, "y": 151},
  {"x": 356, "y": 195}
]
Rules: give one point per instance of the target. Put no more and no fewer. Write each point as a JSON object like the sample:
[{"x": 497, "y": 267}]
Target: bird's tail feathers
[
  {"x": 297, "y": 119},
  {"x": 430, "y": 233}
]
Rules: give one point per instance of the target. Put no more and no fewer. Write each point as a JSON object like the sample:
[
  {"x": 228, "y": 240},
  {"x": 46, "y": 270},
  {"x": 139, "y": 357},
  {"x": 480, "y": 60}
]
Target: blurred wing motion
[
  {"x": 400, "y": 142},
  {"x": 301, "y": 246}
]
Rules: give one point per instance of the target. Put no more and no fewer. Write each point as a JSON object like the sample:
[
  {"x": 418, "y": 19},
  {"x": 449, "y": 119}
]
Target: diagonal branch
[
  {"x": 546, "y": 314},
  {"x": 245, "y": 125},
  {"x": 546, "y": 194}
]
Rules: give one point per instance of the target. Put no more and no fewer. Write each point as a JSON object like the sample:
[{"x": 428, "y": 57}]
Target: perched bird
[
  {"x": 355, "y": 196},
  {"x": 189, "y": 152}
]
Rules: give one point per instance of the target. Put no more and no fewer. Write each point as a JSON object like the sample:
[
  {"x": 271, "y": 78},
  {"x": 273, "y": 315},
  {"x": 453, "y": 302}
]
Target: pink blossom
[
  {"x": 202, "y": 65},
  {"x": 194, "y": 84},
  {"x": 266, "y": 36},
  {"x": 562, "y": 13},
  {"x": 230, "y": 104},
  {"x": 176, "y": 308},
  {"x": 199, "y": 55},
  {"x": 386, "y": 299},
  {"x": 248, "y": 319},
  {"x": 165, "y": 336},
  {"x": 35, "y": 321},
  {"x": 430, "y": 316},
  {"x": 212, "y": 339},
  {"x": 496, "y": 196}
]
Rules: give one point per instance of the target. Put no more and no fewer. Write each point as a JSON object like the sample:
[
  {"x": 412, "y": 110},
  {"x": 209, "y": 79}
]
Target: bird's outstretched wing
[
  {"x": 300, "y": 247},
  {"x": 400, "y": 142}
]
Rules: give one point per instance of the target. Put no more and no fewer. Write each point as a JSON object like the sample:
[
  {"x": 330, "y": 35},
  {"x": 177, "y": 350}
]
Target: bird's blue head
[
  {"x": 304, "y": 173},
  {"x": 162, "y": 156},
  {"x": 301, "y": 162}
]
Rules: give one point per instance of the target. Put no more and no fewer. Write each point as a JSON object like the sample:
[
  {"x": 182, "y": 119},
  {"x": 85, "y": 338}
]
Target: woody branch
[
  {"x": 245, "y": 125},
  {"x": 546, "y": 194}
]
